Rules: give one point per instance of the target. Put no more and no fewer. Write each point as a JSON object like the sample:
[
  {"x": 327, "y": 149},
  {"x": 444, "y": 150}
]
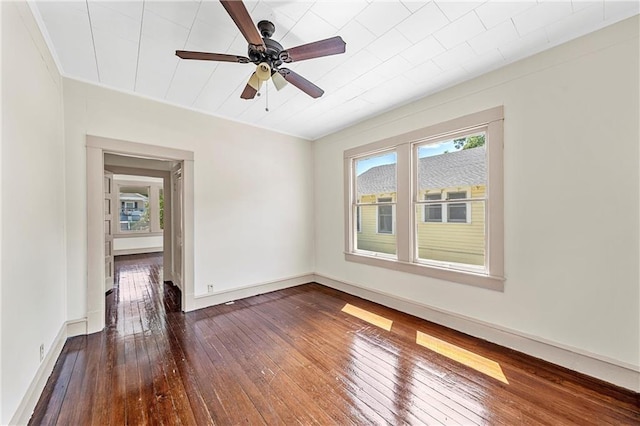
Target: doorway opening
[{"x": 140, "y": 204}]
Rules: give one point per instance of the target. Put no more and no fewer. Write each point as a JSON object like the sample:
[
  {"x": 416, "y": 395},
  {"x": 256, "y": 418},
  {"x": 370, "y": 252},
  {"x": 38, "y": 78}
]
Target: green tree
[{"x": 469, "y": 142}]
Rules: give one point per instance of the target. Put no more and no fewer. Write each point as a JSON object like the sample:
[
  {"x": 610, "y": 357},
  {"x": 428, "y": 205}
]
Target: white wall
[
  {"x": 571, "y": 196},
  {"x": 33, "y": 277},
  {"x": 253, "y": 188},
  {"x": 137, "y": 244}
]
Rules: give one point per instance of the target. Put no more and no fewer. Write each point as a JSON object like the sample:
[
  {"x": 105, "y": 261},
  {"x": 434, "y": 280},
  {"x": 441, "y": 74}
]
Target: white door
[
  {"x": 110, "y": 214},
  {"x": 176, "y": 228}
]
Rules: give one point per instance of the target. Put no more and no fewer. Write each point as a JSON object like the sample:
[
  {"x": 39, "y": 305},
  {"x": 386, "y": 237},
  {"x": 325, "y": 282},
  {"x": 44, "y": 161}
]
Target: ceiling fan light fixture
[
  {"x": 255, "y": 82},
  {"x": 278, "y": 80},
  {"x": 263, "y": 71}
]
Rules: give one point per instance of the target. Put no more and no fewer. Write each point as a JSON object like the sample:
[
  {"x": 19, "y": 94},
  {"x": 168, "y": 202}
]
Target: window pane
[
  {"x": 462, "y": 243},
  {"x": 452, "y": 232},
  {"x": 376, "y": 184},
  {"x": 134, "y": 208},
  {"x": 368, "y": 239}
]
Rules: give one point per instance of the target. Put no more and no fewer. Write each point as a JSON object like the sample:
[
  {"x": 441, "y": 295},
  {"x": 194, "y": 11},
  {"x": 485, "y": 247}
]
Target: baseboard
[
  {"x": 216, "y": 298},
  {"x": 77, "y": 327},
  {"x": 612, "y": 371},
  {"x": 125, "y": 252}
]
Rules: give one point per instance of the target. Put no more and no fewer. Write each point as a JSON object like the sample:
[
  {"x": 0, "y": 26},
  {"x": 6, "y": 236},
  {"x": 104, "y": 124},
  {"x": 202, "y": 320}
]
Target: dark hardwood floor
[{"x": 294, "y": 356}]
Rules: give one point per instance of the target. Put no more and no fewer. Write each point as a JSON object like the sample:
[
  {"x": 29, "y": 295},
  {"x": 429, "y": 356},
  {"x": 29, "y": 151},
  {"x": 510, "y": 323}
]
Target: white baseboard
[
  {"x": 612, "y": 371},
  {"x": 30, "y": 399},
  {"x": 216, "y": 298},
  {"x": 125, "y": 252}
]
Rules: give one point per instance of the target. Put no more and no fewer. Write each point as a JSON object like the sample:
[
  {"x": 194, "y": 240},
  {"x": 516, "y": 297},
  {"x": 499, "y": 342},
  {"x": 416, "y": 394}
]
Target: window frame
[
  {"x": 154, "y": 211},
  {"x": 388, "y": 202},
  {"x": 490, "y": 121}
]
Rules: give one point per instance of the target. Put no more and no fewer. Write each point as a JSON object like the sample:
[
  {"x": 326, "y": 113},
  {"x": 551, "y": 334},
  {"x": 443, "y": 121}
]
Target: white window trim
[
  {"x": 393, "y": 217},
  {"x": 154, "y": 225},
  {"x": 404, "y": 214}
]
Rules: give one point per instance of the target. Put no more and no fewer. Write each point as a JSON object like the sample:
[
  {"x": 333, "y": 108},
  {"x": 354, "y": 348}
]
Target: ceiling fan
[{"x": 268, "y": 54}]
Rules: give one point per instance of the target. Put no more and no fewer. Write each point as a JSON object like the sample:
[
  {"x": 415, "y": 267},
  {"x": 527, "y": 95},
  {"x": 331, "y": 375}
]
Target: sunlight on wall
[
  {"x": 367, "y": 316},
  {"x": 463, "y": 356}
]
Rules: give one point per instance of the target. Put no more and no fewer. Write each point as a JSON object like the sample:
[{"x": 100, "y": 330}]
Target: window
[
  {"x": 431, "y": 201},
  {"x": 373, "y": 204},
  {"x": 385, "y": 216},
  {"x": 433, "y": 212},
  {"x": 141, "y": 205},
  {"x": 456, "y": 212}
]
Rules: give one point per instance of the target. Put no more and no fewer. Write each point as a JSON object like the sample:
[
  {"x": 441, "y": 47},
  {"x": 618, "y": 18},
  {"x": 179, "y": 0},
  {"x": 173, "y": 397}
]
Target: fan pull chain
[{"x": 267, "y": 96}]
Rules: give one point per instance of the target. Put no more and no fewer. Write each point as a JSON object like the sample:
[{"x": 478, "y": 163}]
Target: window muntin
[
  {"x": 484, "y": 213},
  {"x": 373, "y": 205}
]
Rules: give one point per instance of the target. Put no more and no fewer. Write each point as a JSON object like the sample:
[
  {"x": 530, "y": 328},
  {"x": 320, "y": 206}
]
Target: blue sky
[{"x": 390, "y": 158}]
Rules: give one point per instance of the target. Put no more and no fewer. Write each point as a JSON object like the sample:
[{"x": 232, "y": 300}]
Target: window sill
[
  {"x": 462, "y": 277},
  {"x": 135, "y": 234}
]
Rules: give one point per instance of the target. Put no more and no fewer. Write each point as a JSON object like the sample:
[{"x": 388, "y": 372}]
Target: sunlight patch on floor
[
  {"x": 367, "y": 316},
  {"x": 463, "y": 356}
]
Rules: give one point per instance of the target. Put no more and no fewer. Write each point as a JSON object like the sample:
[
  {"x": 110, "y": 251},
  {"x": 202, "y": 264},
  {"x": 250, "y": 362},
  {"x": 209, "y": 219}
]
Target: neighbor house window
[
  {"x": 456, "y": 212},
  {"x": 432, "y": 198},
  {"x": 433, "y": 212},
  {"x": 385, "y": 216}
]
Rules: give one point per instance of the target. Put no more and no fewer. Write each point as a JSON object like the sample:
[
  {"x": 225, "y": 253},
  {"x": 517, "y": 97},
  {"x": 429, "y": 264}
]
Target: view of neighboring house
[
  {"x": 133, "y": 207},
  {"x": 448, "y": 231}
]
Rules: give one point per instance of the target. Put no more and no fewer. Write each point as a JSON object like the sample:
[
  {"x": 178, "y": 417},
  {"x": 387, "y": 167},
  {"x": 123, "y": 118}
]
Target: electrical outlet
[
  {"x": 41, "y": 352},
  {"x": 210, "y": 288}
]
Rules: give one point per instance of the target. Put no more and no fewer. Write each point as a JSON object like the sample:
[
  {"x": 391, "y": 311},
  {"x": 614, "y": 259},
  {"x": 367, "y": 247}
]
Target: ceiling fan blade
[
  {"x": 252, "y": 87},
  {"x": 301, "y": 83},
  {"x": 205, "y": 56},
  {"x": 238, "y": 12},
  {"x": 331, "y": 46}
]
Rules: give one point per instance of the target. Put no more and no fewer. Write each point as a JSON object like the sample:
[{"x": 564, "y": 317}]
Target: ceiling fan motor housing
[{"x": 271, "y": 53}]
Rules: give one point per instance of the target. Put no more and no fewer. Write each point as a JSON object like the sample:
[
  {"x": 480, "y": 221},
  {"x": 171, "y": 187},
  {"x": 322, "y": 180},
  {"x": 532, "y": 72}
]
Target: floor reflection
[{"x": 461, "y": 355}]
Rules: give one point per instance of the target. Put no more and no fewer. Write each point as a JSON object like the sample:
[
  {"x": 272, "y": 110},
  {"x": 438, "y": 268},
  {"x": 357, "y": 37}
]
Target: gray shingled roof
[{"x": 460, "y": 168}]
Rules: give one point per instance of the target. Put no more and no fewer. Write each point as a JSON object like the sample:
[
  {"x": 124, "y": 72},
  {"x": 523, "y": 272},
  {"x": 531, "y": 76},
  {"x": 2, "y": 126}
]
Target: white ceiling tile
[
  {"x": 494, "y": 12},
  {"x": 423, "y": 23},
  {"x": 455, "y": 9},
  {"x": 526, "y": 46},
  {"x": 68, "y": 27},
  {"x": 227, "y": 80},
  {"x": 189, "y": 79},
  {"x": 116, "y": 23},
  {"x": 293, "y": 9},
  {"x": 389, "y": 45},
  {"x": 308, "y": 29},
  {"x": 414, "y": 5},
  {"x": 460, "y": 31},
  {"x": 487, "y": 61},
  {"x": 356, "y": 36},
  {"x": 540, "y": 16},
  {"x": 574, "y": 25},
  {"x": 132, "y": 9},
  {"x": 338, "y": 13},
  {"x": 616, "y": 10},
  {"x": 456, "y": 56},
  {"x": 499, "y": 35},
  {"x": 423, "y": 51},
  {"x": 383, "y": 72},
  {"x": 382, "y": 16},
  {"x": 235, "y": 106},
  {"x": 354, "y": 67},
  {"x": 423, "y": 74},
  {"x": 583, "y": 4},
  {"x": 117, "y": 58},
  {"x": 161, "y": 30},
  {"x": 156, "y": 65},
  {"x": 206, "y": 37},
  {"x": 179, "y": 12}
]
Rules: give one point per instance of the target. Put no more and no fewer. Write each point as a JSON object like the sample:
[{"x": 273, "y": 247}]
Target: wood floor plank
[{"x": 295, "y": 356}]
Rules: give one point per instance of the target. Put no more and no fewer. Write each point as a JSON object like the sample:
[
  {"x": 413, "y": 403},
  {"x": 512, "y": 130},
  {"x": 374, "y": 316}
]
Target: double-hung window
[{"x": 430, "y": 202}]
